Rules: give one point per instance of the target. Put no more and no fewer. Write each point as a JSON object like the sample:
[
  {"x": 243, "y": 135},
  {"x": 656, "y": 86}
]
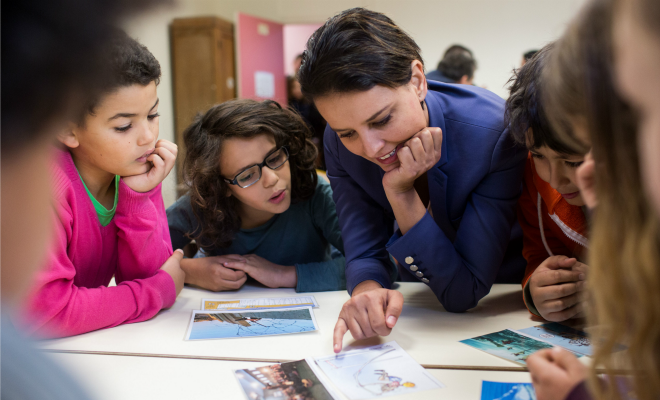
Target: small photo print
[
  {"x": 507, "y": 391},
  {"x": 262, "y": 303},
  {"x": 286, "y": 381},
  {"x": 560, "y": 335},
  {"x": 224, "y": 325},
  {"x": 508, "y": 345}
]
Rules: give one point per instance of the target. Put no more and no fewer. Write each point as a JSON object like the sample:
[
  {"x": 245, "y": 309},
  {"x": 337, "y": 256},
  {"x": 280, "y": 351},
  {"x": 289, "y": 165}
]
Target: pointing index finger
[{"x": 338, "y": 336}]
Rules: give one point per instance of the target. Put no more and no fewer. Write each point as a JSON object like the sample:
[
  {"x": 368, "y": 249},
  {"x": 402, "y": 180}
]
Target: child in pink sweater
[{"x": 109, "y": 215}]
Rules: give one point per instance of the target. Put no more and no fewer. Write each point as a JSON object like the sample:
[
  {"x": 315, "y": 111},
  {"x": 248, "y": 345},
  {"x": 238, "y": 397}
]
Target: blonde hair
[{"x": 624, "y": 278}]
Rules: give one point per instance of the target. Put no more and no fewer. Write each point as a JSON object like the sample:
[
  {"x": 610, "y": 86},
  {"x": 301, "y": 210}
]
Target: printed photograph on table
[
  {"x": 287, "y": 381},
  {"x": 376, "y": 371},
  {"x": 508, "y": 345},
  {"x": 560, "y": 335},
  {"x": 507, "y": 391},
  {"x": 225, "y": 325},
  {"x": 259, "y": 304}
]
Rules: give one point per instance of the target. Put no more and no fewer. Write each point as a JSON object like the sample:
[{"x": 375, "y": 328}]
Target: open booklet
[{"x": 365, "y": 373}]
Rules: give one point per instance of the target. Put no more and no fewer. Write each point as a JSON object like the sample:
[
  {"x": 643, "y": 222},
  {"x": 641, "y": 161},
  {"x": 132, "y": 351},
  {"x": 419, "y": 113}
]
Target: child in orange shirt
[{"x": 550, "y": 209}]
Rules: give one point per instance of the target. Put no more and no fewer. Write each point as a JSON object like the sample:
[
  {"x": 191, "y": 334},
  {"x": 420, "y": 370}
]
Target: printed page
[
  {"x": 286, "y": 381},
  {"x": 507, "y": 344},
  {"x": 560, "y": 335},
  {"x": 259, "y": 304},
  {"x": 376, "y": 371},
  {"x": 206, "y": 324},
  {"x": 507, "y": 391}
]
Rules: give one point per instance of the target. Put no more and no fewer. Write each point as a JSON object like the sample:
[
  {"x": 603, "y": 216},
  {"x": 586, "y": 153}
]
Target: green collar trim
[{"x": 105, "y": 215}]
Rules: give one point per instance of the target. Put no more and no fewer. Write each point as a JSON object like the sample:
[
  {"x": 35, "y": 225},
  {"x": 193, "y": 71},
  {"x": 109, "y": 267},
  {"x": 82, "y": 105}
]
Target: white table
[
  {"x": 108, "y": 377},
  {"x": 425, "y": 330}
]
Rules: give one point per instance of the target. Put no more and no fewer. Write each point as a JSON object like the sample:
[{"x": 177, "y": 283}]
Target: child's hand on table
[
  {"x": 556, "y": 287},
  {"x": 266, "y": 272},
  {"x": 371, "y": 311},
  {"x": 173, "y": 267},
  {"x": 162, "y": 160},
  {"x": 210, "y": 273},
  {"x": 555, "y": 372}
]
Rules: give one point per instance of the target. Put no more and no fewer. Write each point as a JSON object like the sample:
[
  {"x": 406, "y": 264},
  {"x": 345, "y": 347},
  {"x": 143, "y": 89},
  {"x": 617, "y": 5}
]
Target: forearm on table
[
  {"x": 366, "y": 286},
  {"x": 455, "y": 281},
  {"x": 288, "y": 278},
  {"x": 191, "y": 266},
  {"x": 407, "y": 207},
  {"x": 78, "y": 313},
  {"x": 143, "y": 235}
]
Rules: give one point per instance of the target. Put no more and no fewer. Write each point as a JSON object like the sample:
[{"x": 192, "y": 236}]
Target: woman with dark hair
[
  {"x": 436, "y": 158},
  {"x": 255, "y": 205}
]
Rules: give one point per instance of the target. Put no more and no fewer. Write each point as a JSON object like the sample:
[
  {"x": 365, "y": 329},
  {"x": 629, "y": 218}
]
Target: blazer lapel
[{"x": 436, "y": 177}]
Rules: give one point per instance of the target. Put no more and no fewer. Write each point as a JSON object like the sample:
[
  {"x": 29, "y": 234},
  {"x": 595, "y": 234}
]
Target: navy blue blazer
[{"x": 474, "y": 189}]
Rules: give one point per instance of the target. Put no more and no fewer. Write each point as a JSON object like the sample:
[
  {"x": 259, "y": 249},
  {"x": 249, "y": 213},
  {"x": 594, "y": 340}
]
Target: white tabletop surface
[
  {"x": 109, "y": 377},
  {"x": 425, "y": 330}
]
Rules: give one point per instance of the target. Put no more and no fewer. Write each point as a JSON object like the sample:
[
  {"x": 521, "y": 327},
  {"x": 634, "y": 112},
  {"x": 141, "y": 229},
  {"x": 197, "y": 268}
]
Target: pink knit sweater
[{"x": 70, "y": 295}]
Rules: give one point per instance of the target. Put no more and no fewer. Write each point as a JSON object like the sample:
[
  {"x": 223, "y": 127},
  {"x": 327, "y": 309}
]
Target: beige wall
[{"x": 497, "y": 31}]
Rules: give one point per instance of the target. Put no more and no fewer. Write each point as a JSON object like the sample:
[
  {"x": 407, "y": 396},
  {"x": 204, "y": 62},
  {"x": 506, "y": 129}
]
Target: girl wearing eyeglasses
[{"x": 255, "y": 205}]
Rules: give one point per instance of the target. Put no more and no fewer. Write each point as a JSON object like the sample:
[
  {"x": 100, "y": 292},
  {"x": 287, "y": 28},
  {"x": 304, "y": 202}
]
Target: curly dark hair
[
  {"x": 216, "y": 212},
  {"x": 524, "y": 109}
]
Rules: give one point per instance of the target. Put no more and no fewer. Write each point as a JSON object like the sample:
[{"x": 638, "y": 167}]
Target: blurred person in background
[
  {"x": 50, "y": 52},
  {"x": 528, "y": 56},
  {"x": 457, "y": 66},
  {"x": 307, "y": 111}
]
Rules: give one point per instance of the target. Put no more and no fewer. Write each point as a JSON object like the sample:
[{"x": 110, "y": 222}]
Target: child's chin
[
  {"x": 138, "y": 170},
  {"x": 282, "y": 207},
  {"x": 143, "y": 169}
]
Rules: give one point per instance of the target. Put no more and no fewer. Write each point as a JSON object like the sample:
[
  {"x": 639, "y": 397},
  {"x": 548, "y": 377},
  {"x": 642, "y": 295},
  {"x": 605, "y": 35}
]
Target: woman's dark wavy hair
[
  {"x": 525, "y": 110},
  {"x": 356, "y": 50},
  {"x": 216, "y": 212}
]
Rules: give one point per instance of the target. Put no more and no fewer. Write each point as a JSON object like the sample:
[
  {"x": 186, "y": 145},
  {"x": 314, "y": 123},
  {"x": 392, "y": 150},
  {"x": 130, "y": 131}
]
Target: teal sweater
[{"x": 300, "y": 236}]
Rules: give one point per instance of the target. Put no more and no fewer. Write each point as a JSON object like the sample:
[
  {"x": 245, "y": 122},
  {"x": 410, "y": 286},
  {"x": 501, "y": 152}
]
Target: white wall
[
  {"x": 295, "y": 41},
  {"x": 497, "y": 31}
]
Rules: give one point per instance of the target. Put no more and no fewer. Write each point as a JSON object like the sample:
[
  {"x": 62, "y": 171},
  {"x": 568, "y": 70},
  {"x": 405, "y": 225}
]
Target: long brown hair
[
  {"x": 624, "y": 277},
  {"x": 216, "y": 212}
]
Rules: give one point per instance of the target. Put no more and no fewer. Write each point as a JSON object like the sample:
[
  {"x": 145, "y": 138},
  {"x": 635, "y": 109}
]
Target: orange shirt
[{"x": 561, "y": 228}]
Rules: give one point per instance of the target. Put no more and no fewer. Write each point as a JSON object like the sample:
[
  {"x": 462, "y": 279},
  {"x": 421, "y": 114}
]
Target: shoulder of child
[
  {"x": 323, "y": 190},
  {"x": 63, "y": 172},
  {"x": 180, "y": 207},
  {"x": 318, "y": 204},
  {"x": 182, "y": 203}
]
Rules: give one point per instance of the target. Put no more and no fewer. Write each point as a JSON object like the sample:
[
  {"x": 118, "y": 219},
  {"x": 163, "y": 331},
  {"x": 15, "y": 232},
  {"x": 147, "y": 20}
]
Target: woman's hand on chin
[{"x": 419, "y": 154}]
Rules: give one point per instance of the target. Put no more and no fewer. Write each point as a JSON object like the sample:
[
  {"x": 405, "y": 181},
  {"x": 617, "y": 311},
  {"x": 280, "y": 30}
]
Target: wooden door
[{"x": 202, "y": 71}]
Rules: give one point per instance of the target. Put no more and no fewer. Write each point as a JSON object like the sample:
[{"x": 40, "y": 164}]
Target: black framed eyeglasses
[{"x": 251, "y": 175}]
